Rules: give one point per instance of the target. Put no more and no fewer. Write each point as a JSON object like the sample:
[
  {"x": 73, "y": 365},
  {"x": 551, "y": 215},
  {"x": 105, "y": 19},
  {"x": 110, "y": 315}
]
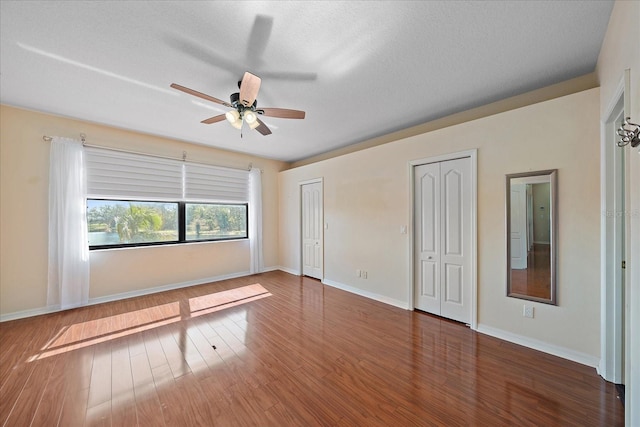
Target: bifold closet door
[{"x": 442, "y": 204}]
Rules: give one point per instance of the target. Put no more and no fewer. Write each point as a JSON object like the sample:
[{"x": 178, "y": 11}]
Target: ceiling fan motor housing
[{"x": 235, "y": 101}]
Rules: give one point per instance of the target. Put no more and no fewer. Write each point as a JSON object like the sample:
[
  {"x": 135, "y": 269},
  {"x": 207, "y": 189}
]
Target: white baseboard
[
  {"x": 169, "y": 287},
  {"x": 124, "y": 295},
  {"x": 27, "y": 313},
  {"x": 565, "y": 353},
  {"x": 366, "y": 294},
  {"x": 290, "y": 270}
]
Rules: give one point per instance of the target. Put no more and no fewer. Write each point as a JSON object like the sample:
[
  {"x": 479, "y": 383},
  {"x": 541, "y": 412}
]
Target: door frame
[
  {"x": 319, "y": 180},
  {"x": 612, "y": 307},
  {"x": 473, "y": 155}
]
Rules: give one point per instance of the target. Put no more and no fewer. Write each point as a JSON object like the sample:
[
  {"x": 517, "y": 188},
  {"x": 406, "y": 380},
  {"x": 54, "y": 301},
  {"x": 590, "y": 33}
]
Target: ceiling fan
[{"x": 244, "y": 106}]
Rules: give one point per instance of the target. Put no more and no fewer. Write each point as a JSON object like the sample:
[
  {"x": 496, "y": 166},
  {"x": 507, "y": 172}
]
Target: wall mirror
[{"x": 531, "y": 235}]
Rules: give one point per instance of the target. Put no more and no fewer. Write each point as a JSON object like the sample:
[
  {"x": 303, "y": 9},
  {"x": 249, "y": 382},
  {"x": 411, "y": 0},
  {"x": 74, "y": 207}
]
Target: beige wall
[
  {"x": 366, "y": 201},
  {"x": 24, "y": 168},
  {"x": 621, "y": 51}
]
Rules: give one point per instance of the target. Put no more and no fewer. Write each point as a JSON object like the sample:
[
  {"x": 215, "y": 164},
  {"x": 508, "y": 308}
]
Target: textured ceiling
[{"x": 358, "y": 69}]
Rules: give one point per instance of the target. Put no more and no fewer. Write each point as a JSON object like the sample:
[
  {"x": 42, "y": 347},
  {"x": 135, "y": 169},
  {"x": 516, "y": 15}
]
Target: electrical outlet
[
  {"x": 358, "y": 273},
  {"x": 364, "y": 274},
  {"x": 527, "y": 311}
]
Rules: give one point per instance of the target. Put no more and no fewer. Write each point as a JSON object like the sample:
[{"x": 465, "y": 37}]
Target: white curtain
[
  {"x": 68, "y": 284},
  {"x": 255, "y": 220}
]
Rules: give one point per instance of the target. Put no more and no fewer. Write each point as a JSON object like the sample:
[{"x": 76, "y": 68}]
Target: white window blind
[
  {"x": 121, "y": 176},
  {"x": 117, "y": 175},
  {"x": 205, "y": 183}
]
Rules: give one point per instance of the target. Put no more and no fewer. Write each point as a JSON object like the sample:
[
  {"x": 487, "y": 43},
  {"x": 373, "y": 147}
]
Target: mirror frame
[{"x": 553, "y": 220}]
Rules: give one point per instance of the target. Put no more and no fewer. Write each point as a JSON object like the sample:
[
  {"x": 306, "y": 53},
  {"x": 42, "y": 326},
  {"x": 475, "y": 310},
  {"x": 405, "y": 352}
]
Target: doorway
[
  {"x": 312, "y": 244},
  {"x": 443, "y": 244},
  {"x": 614, "y": 245}
]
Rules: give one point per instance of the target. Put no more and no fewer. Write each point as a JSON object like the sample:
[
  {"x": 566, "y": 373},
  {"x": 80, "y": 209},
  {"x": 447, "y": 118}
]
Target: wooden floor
[
  {"x": 285, "y": 352},
  {"x": 535, "y": 280}
]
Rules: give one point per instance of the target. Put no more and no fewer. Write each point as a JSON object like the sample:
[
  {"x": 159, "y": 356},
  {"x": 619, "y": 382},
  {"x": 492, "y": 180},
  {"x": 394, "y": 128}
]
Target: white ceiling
[{"x": 358, "y": 69}]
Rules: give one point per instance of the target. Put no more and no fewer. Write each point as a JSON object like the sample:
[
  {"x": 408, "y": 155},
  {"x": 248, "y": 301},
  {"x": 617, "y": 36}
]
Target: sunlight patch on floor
[{"x": 92, "y": 332}]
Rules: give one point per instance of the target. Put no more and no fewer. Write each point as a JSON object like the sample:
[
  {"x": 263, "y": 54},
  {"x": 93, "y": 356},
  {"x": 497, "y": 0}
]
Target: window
[
  {"x": 137, "y": 200},
  {"x": 123, "y": 223},
  {"x": 214, "y": 222},
  {"x": 119, "y": 222}
]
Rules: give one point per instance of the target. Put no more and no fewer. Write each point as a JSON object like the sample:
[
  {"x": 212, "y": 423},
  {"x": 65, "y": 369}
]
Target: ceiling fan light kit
[
  {"x": 250, "y": 117},
  {"x": 237, "y": 124},
  {"x": 244, "y": 105},
  {"x": 232, "y": 116}
]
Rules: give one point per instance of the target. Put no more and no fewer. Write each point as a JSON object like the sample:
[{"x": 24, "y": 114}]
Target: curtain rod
[
  {"x": 49, "y": 138},
  {"x": 83, "y": 138}
]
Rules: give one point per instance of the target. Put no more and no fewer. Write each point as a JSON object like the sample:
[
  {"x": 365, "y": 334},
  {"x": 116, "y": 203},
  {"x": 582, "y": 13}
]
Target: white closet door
[
  {"x": 312, "y": 231},
  {"x": 442, "y": 204},
  {"x": 427, "y": 237},
  {"x": 455, "y": 238}
]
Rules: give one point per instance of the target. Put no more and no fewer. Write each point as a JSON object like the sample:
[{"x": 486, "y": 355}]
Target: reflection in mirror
[{"x": 531, "y": 231}]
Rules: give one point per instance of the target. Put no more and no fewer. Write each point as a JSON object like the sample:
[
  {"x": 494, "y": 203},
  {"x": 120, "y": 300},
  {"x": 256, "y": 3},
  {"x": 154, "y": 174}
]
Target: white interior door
[
  {"x": 518, "y": 226},
  {"x": 312, "y": 230},
  {"x": 456, "y": 239},
  {"x": 427, "y": 237},
  {"x": 443, "y": 238}
]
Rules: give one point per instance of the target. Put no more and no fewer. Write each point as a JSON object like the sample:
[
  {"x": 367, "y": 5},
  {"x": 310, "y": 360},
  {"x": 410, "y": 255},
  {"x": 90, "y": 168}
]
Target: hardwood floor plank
[
  {"x": 147, "y": 404},
  {"x": 194, "y": 410},
  {"x": 77, "y": 381},
  {"x": 123, "y": 402},
  {"x": 320, "y": 390},
  {"x": 165, "y": 387},
  {"x": 173, "y": 353},
  {"x": 22, "y": 414},
  {"x": 190, "y": 353},
  {"x": 153, "y": 349},
  {"x": 278, "y": 416},
  {"x": 100, "y": 386},
  {"x": 12, "y": 389},
  {"x": 204, "y": 348},
  {"x": 50, "y": 406},
  {"x": 99, "y": 415},
  {"x": 294, "y": 403},
  {"x": 74, "y": 409},
  {"x": 17, "y": 368}
]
